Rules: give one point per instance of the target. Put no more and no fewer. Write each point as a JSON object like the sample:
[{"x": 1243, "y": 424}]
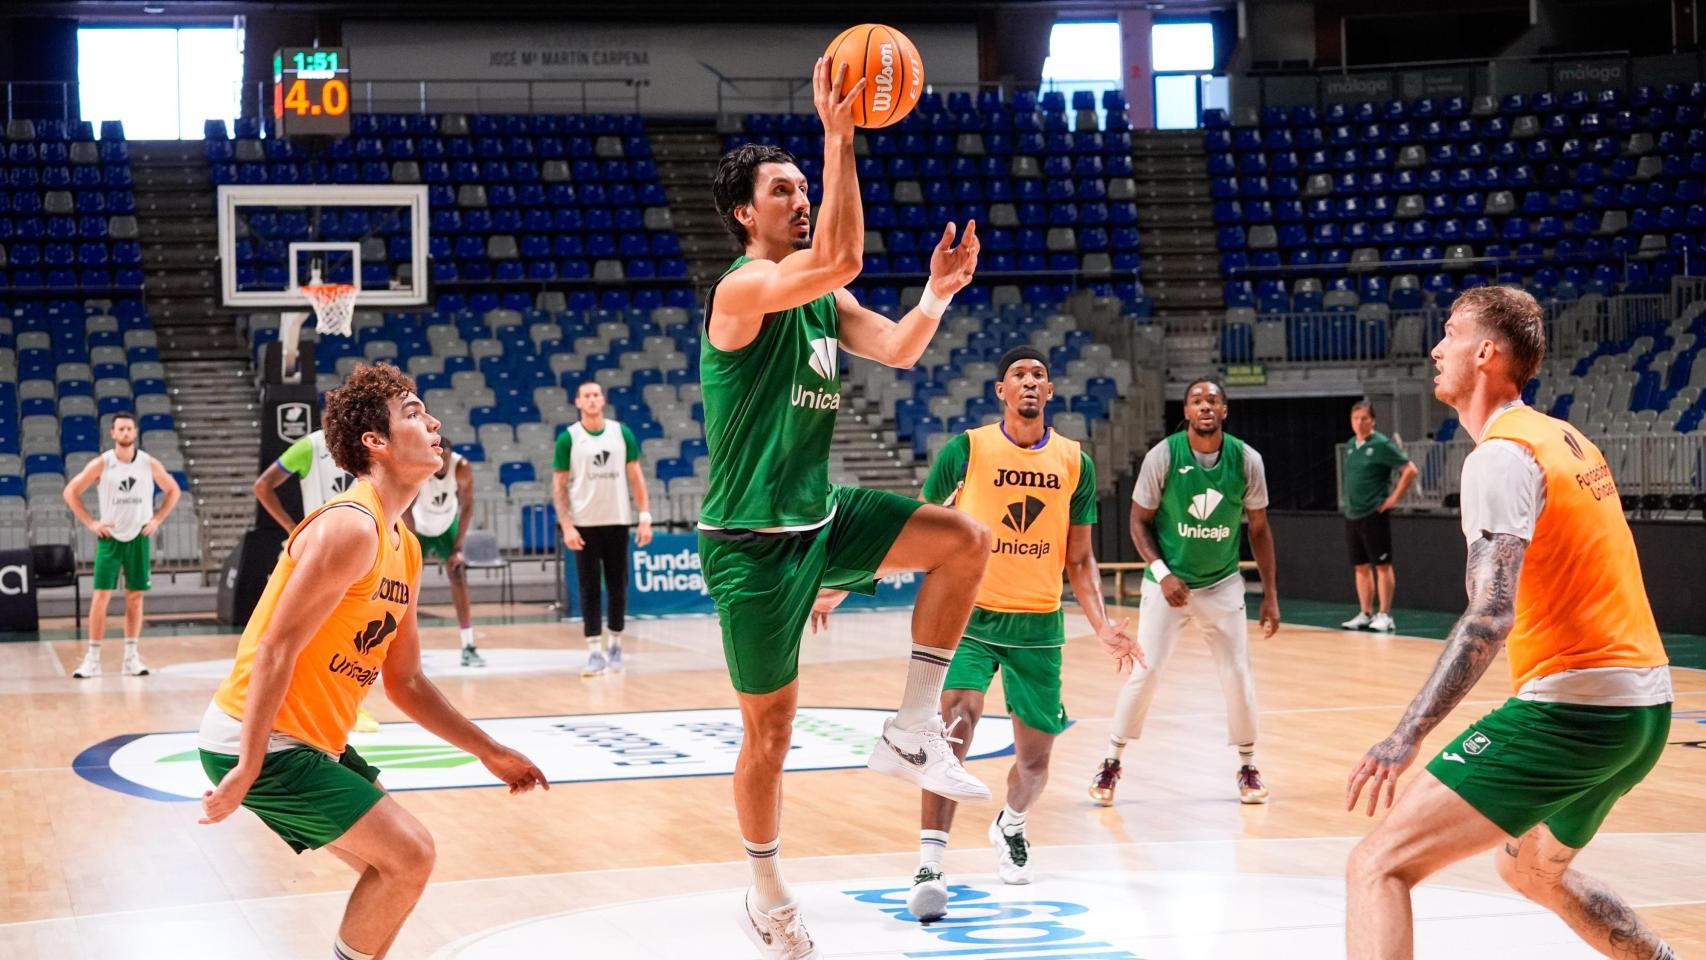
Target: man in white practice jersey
[{"x": 128, "y": 478}]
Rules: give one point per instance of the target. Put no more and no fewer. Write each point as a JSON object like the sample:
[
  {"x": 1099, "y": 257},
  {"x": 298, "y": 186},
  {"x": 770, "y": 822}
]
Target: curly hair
[
  {"x": 362, "y": 405},
  {"x": 737, "y": 175}
]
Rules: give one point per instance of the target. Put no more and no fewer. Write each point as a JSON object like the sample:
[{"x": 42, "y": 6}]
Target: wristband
[
  {"x": 645, "y": 516},
  {"x": 933, "y": 306},
  {"x": 1159, "y": 568}
]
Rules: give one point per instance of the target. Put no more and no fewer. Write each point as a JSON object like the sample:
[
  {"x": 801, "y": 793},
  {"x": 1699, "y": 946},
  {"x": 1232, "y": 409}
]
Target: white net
[{"x": 334, "y": 306}]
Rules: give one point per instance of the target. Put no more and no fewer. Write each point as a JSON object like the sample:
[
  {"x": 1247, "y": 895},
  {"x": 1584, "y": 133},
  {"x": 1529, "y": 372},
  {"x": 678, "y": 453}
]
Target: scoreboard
[{"x": 310, "y": 95}]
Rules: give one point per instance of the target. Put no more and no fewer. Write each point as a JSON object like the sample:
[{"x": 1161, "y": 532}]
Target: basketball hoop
[{"x": 334, "y": 305}]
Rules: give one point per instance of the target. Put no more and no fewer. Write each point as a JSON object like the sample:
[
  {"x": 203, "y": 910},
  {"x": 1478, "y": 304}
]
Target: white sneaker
[
  {"x": 1357, "y": 622},
  {"x": 779, "y": 934},
  {"x": 924, "y": 757},
  {"x": 613, "y": 653},
  {"x": 1383, "y": 623},
  {"x": 1012, "y": 853},
  {"x": 133, "y": 665},
  {"x": 90, "y": 668},
  {"x": 928, "y": 899},
  {"x": 596, "y": 665}
]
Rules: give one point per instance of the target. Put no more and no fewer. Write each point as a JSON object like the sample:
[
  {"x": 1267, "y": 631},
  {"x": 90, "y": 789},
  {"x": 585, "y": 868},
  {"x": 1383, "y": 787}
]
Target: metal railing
[
  {"x": 610, "y": 95},
  {"x": 1363, "y": 338},
  {"x": 1664, "y": 473},
  {"x": 743, "y": 95}
]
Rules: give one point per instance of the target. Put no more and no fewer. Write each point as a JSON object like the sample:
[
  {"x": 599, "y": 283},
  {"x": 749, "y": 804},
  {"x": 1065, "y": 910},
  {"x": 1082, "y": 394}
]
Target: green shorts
[
  {"x": 131, "y": 555},
  {"x": 305, "y": 796},
  {"x": 1554, "y": 763},
  {"x": 444, "y": 544},
  {"x": 764, "y": 584},
  {"x": 1030, "y": 680}
]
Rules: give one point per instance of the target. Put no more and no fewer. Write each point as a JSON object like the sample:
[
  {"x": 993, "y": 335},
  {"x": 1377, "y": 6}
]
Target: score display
[{"x": 311, "y": 94}]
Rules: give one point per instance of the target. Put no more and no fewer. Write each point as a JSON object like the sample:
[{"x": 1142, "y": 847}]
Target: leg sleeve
[
  {"x": 587, "y": 568},
  {"x": 616, "y": 576}
]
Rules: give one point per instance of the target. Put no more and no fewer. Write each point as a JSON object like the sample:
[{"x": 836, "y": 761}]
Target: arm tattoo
[{"x": 1495, "y": 563}]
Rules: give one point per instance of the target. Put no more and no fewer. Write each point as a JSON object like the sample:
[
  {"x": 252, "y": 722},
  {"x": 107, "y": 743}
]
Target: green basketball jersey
[
  {"x": 1200, "y": 512},
  {"x": 770, "y": 412}
]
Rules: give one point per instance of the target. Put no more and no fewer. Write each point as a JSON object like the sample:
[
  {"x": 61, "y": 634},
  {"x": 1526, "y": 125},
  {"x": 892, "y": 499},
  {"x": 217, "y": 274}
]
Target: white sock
[
  {"x": 932, "y": 847},
  {"x": 769, "y": 891},
  {"x": 924, "y": 675},
  {"x": 343, "y": 951},
  {"x": 616, "y": 639},
  {"x": 595, "y": 643},
  {"x": 130, "y": 646},
  {"x": 94, "y": 647},
  {"x": 1247, "y": 754},
  {"x": 1011, "y": 821},
  {"x": 1116, "y": 746},
  {"x": 467, "y": 636}
]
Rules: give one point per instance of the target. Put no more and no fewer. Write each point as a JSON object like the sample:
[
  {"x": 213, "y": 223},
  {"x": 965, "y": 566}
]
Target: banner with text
[
  {"x": 664, "y": 580},
  {"x": 676, "y": 68}
]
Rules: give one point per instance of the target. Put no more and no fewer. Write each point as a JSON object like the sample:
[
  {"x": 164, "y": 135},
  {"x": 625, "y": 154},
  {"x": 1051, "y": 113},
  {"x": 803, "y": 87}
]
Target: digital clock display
[{"x": 311, "y": 92}]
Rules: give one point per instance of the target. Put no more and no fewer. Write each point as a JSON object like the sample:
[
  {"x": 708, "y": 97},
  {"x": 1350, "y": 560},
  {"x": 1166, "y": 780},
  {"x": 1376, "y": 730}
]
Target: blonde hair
[{"x": 1513, "y": 317}]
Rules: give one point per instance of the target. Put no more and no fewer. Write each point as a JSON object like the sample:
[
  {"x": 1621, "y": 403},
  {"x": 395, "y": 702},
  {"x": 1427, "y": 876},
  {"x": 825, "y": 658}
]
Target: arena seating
[
  {"x": 67, "y": 214},
  {"x": 1576, "y": 196},
  {"x": 65, "y": 368},
  {"x": 513, "y": 197}
]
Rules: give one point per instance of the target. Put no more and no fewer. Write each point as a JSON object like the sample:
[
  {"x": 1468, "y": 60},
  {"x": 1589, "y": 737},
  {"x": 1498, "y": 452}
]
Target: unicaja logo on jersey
[
  {"x": 822, "y": 361},
  {"x": 1019, "y": 518},
  {"x": 441, "y": 499},
  {"x": 1202, "y": 507},
  {"x": 125, "y": 485},
  {"x": 602, "y": 458},
  {"x": 1203, "y": 504},
  {"x": 825, "y": 352},
  {"x": 342, "y": 483}
]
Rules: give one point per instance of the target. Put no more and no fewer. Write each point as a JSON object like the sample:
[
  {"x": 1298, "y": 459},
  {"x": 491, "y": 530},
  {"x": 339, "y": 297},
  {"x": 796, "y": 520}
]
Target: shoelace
[
  {"x": 940, "y": 741},
  {"x": 798, "y": 939}
]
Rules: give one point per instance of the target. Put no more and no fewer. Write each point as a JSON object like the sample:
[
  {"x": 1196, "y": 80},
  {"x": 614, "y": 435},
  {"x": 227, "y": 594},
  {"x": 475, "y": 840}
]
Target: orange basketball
[{"x": 890, "y": 63}]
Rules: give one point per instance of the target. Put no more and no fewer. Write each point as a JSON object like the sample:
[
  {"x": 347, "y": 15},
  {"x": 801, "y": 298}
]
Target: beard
[
  {"x": 802, "y": 243},
  {"x": 1030, "y": 409}
]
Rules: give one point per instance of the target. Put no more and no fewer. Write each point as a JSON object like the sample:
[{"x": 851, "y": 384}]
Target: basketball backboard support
[{"x": 371, "y": 235}]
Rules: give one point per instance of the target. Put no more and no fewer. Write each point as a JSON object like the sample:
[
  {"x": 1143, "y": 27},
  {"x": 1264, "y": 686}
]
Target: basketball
[{"x": 890, "y": 64}]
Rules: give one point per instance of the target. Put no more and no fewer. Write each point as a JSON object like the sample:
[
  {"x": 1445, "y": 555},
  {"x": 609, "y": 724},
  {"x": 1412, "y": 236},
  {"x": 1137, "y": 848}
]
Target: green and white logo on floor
[{"x": 569, "y": 749}]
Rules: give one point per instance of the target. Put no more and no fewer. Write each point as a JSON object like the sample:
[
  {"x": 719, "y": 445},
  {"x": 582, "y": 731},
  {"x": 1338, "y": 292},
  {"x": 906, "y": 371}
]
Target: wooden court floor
[{"x": 638, "y": 864}]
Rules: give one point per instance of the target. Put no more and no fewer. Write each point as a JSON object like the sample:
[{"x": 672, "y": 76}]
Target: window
[
  {"x": 1180, "y": 55},
  {"x": 162, "y": 83},
  {"x": 1083, "y": 55},
  {"x": 1182, "y": 47}
]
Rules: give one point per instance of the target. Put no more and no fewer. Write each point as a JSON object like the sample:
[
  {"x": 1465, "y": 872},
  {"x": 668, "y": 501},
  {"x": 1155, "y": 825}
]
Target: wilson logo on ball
[{"x": 889, "y": 64}]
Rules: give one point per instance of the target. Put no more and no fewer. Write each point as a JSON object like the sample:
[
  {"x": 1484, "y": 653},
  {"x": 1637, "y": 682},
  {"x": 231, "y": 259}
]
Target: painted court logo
[{"x": 568, "y": 748}]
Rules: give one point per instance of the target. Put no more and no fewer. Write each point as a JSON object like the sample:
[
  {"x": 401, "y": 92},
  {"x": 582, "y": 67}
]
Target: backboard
[{"x": 272, "y": 236}]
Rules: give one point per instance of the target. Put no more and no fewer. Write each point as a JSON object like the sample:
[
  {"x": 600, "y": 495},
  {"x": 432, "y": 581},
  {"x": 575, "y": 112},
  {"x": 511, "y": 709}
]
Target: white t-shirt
[
  {"x": 437, "y": 506},
  {"x": 1152, "y": 476},
  {"x": 126, "y": 492},
  {"x": 1504, "y": 491}
]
